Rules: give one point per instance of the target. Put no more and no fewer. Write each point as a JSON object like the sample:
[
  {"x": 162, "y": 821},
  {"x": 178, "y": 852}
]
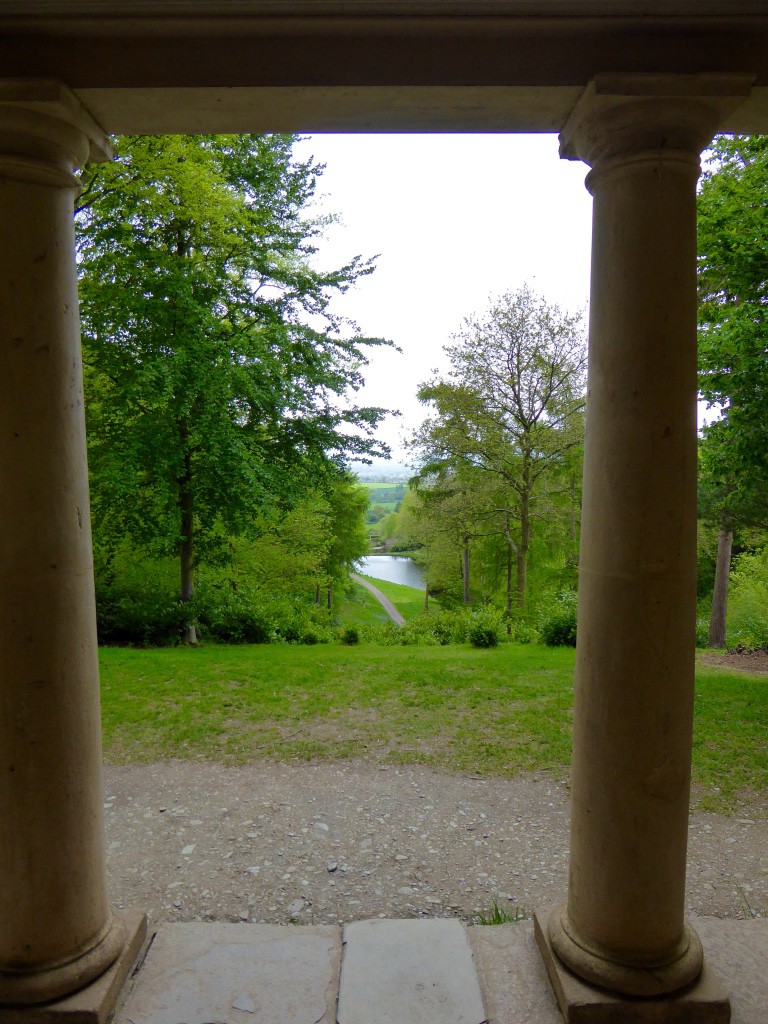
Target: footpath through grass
[
  {"x": 489, "y": 712},
  {"x": 361, "y": 607}
]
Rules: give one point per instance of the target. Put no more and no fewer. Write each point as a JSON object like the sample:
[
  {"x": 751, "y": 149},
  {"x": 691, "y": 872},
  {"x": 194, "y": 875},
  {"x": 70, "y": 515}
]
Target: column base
[
  {"x": 703, "y": 1002},
  {"x": 94, "y": 1003}
]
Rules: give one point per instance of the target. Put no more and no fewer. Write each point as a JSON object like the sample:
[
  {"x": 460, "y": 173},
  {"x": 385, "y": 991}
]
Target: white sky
[{"x": 455, "y": 219}]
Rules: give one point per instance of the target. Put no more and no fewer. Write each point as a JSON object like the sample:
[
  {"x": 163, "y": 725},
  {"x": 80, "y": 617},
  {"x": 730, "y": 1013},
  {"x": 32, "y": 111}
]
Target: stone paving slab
[
  {"x": 737, "y": 951},
  {"x": 408, "y": 972},
  {"x": 393, "y": 971},
  {"x": 237, "y": 974},
  {"x": 516, "y": 989},
  {"x": 514, "y": 982}
]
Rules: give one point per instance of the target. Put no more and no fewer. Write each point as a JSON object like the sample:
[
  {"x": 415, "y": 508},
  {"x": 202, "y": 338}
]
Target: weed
[{"x": 499, "y": 915}]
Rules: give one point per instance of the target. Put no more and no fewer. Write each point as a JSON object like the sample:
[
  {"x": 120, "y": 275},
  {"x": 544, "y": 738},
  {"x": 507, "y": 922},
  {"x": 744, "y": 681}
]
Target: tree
[
  {"x": 733, "y": 289},
  {"x": 733, "y": 345},
  {"x": 217, "y": 375},
  {"x": 348, "y": 536},
  {"x": 728, "y": 502},
  {"x": 511, "y": 408}
]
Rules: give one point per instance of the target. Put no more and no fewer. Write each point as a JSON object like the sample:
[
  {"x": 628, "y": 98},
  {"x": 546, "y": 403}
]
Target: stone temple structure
[{"x": 636, "y": 89}]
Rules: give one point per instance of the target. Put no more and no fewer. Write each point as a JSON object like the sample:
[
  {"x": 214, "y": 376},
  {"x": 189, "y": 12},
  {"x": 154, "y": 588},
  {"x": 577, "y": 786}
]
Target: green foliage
[
  {"x": 559, "y": 630},
  {"x": 350, "y": 635},
  {"x": 139, "y": 618},
  {"x": 748, "y": 602},
  {"x": 137, "y": 603},
  {"x": 702, "y": 633},
  {"x": 499, "y": 915},
  {"x": 485, "y": 627},
  {"x": 348, "y": 537},
  {"x": 217, "y": 377},
  {"x": 501, "y": 450},
  {"x": 733, "y": 315}
]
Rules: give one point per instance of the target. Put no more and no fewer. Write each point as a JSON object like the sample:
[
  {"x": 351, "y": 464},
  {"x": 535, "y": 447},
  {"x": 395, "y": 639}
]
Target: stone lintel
[
  {"x": 704, "y": 1002},
  {"x": 95, "y": 1003}
]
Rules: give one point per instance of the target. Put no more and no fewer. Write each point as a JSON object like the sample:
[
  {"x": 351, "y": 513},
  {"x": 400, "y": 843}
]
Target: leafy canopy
[
  {"x": 733, "y": 294},
  {"x": 218, "y": 375}
]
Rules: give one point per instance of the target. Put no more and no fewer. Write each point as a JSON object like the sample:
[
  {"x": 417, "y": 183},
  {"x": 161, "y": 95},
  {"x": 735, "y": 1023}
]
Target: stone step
[
  {"x": 237, "y": 974},
  {"x": 408, "y": 972}
]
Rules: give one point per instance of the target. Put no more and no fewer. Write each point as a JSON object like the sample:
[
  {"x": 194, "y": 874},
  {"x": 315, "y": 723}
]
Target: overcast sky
[{"x": 454, "y": 220}]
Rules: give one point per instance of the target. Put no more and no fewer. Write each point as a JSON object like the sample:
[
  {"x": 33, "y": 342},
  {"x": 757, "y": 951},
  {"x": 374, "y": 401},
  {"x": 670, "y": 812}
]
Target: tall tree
[
  {"x": 217, "y": 374},
  {"x": 729, "y": 501},
  {"x": 733, "y": 347},
  {"x": 348, "y": 535},
  {"x": 511, "y": 407},
  {"x": 733, "y": 287}
]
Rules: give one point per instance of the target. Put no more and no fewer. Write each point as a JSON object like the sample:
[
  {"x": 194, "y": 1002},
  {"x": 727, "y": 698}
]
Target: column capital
[
  {"x": 46, "y": 133},
  {"x": 621, "y": 117}
]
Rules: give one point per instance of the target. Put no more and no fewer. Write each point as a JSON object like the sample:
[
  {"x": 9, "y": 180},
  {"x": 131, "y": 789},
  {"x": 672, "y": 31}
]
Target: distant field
[{"x": 383, "y": 498}]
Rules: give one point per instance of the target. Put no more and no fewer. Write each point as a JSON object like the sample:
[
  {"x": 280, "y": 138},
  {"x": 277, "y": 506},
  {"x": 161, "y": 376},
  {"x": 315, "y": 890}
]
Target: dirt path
[
  {"x": 385, "y": 603},
  {"x": 347, "y": 840}
]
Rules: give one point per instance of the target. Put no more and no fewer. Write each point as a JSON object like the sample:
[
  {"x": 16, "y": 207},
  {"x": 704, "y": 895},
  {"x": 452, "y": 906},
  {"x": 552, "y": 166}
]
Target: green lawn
[{"x": 489, "y": 712}]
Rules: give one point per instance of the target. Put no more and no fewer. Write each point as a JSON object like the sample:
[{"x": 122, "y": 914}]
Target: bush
[
  {"x": 140, "y": 619},
  {"x": 702, "y": 633},
  {"x": 350, "y": 636},
  {"x": 485, "y": 627},
  {"x": 748, "y": 602},
  {"x": 559, "y": 630},
  {"x": 524, "y": 633}
]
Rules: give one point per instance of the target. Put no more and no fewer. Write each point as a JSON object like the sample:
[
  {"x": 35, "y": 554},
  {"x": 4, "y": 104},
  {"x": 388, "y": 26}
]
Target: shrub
[
  {"x": 140, "y": 619},
  {"x": 559, "y": 630},
  {"x": 702, "y": 633},
  {"x": 524, "y": 633},
  {"x": 485, "y": 627},
  {"x": 748, "y": 601},
  {"x": 350, "y": 636}
]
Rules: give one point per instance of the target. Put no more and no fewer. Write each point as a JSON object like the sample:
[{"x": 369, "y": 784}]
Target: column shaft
[
  {"x": 56, "y": 929},
  {"x": 634, "y": 676},
  {"x": 623, "y": 928}
]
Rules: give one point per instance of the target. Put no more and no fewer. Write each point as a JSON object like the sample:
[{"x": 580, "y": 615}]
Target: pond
[{"x": 394, "y": 569}]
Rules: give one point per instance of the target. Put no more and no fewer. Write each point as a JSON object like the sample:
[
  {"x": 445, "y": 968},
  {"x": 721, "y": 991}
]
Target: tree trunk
[
  {"x": 720, "y": 594},
  {"x": 511, "y": 549},
  {"x": 522, "y": 550},
  {"x": 572, "y": 511},
  {"x": 330, "y": 596},
  {"x": 317, "y": 594},
  {"x": 186, "y": 510},
  {"x": 465, "y": 569}
]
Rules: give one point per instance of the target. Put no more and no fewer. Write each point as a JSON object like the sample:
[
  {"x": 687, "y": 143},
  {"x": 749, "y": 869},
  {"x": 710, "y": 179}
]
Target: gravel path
[
  {"x": 335, "y": 842},
  {"x": 384, "y": 601}
]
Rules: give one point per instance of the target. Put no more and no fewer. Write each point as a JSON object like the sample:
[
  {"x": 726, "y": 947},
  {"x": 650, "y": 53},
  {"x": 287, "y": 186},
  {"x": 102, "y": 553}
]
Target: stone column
[
  {"x": 623, "y": 926},
  {"x": 57, "y": 932}
]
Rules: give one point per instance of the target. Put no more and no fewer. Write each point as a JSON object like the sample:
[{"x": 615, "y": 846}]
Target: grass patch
[
  {"x": 730, "y": 739},
  {"x": 498, "y": 915},
  {"x": 493, "y": 712},
  {"x": 456, "y": 708}
]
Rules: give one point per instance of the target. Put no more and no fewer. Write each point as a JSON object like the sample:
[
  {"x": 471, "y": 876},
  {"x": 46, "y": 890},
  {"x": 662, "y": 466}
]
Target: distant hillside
[{"x": 382, "y": 471}]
